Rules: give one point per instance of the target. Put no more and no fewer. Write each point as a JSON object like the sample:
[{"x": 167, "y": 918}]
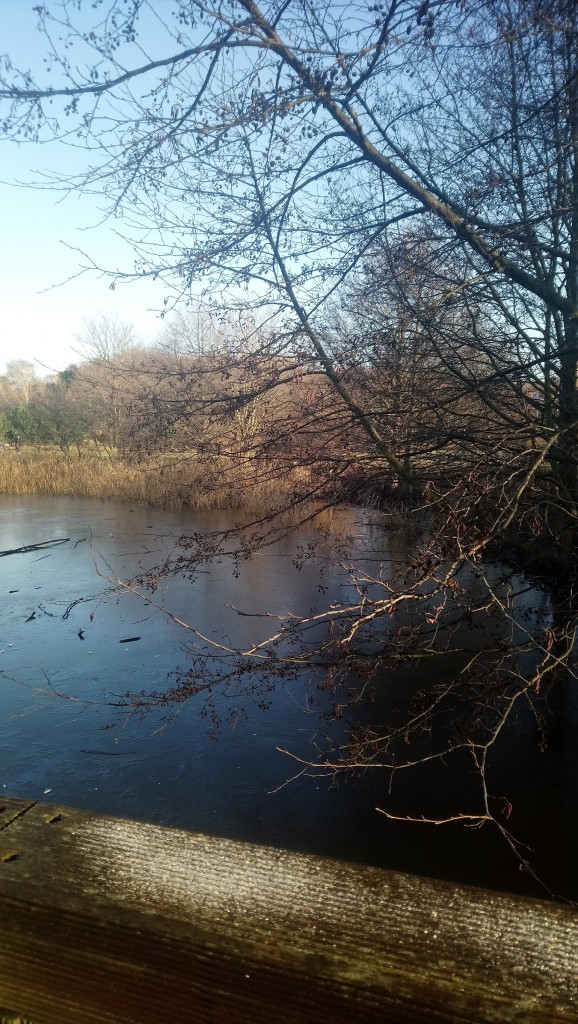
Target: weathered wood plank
[
  {"x": 11, "y": 809},
  {"x": 104, "y": 920}
]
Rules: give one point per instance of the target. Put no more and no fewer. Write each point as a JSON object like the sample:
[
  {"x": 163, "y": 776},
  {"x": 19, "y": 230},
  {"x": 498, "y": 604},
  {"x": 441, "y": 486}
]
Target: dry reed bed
[{"x": 172, "y": 482}]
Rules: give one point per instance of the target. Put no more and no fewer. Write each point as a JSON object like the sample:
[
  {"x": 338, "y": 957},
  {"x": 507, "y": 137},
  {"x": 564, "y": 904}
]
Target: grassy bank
[{"x": 169, "y": 481}]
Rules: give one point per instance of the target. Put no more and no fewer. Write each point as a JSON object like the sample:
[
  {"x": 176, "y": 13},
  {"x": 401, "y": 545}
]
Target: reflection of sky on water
[{"x": 60, "y": 734}]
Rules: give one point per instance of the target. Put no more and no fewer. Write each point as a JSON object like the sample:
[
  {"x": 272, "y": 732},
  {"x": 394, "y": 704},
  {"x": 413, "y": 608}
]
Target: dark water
[{"x": 63, "y": 740}]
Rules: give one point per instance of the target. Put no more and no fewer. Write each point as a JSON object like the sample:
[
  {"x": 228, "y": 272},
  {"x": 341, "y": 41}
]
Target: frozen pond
[{"x": 63, "y": 668}]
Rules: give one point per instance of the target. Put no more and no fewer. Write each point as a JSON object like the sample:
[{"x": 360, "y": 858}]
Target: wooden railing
[{"x": 108, "y": 921}]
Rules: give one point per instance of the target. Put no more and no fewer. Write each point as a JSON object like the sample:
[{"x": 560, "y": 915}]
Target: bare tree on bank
[{"x": 297, "y": 159}]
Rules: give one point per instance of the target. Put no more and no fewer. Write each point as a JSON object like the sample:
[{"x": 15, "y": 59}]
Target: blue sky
[{"x": 40, "y": 322}]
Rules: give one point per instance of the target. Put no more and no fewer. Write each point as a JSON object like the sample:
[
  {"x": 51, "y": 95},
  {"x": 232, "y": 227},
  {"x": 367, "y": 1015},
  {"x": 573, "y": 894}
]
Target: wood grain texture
[{"x": 105, "y": 920}]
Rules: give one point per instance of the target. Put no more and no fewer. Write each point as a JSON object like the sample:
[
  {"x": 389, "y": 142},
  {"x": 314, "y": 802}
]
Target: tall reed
[{"x": 170, "y": 481}]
